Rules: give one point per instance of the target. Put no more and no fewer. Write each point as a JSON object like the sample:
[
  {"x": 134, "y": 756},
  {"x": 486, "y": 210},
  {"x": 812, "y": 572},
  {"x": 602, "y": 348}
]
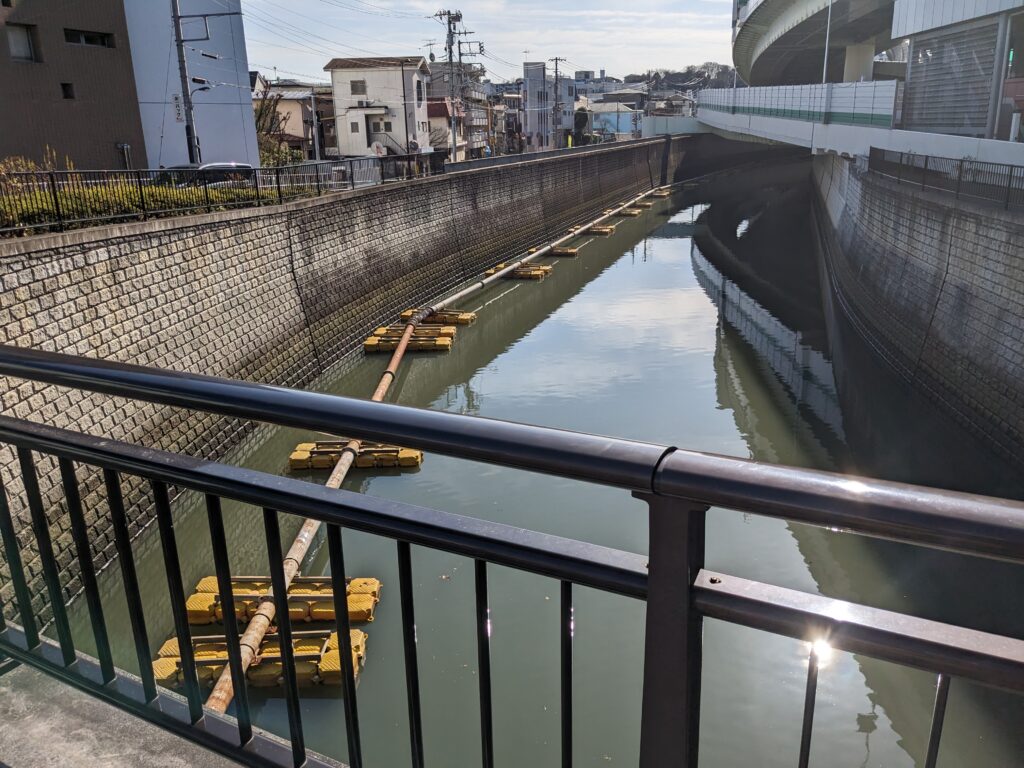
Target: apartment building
[{"x": 96, "y": 82}]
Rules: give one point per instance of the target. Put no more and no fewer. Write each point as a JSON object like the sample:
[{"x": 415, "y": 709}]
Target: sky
[{"x": 300, "y": 36}]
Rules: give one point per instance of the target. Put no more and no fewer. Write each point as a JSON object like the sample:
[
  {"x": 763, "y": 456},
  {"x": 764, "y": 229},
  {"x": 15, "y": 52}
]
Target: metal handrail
[
  {"x": 961, "y": 522},
  {"x": 678, "y": 487}
]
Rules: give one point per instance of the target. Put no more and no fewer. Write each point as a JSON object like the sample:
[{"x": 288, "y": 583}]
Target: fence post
[
  {"x": 277, "y": 177},
  {"x": 56, "y": 201},
  {"x": 959, "y": 177},
  {"x": 317, "y": 168},
  {"x": 924, "y": 173},
  {"x": 1009, "y": 187},
  {"x": 670, "y": 713},
  {"x": 142, "y": 192},
  {"x": 351, "y": 175},
  {"x": 256, "y": 185},
  {"x": 206, "y": 193}
]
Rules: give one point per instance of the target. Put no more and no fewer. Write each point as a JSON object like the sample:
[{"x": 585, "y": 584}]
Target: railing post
[
  {"x": 351, "y": 175},
  {"x": 959, "y": 177},
  {"x": 1009, "y": 187},
  {"x": 206, "y": 192},
  {"x": 277, "y": 178},
  {"x": 317, "y": 169},
  {"x": 924, "y": 173},
  {"x": 899, "y": 170},
  {"x": 56, "y": 201},
  {"x": 142, "y": 192},
  {"x": 670, "y": 715}
]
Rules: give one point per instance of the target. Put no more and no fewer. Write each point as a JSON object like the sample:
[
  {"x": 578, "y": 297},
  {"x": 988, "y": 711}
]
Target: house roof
[
  {"x": 614, "y": 106},
  {"x": 378, "y": 62}
]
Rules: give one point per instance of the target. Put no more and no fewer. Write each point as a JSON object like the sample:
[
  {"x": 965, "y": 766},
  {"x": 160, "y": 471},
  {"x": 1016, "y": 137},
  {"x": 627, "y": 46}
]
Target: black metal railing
[
  {"x": 678, "y": 486},
  {"x": 42, "y": 201},
  {"x": 999, "y": 183}
]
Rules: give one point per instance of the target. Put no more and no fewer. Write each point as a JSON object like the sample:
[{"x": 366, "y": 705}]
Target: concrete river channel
[{"x": 705, "y": 323}]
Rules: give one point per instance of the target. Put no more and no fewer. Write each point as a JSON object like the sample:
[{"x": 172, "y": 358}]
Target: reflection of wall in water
[{"x": 805, "y": 372}]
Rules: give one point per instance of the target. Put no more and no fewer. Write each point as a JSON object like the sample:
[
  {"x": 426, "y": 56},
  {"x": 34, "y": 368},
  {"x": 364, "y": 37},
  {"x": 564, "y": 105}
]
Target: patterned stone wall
[
  {"x": 276, "y": 295},
  {"x": 936, "y": 286}
]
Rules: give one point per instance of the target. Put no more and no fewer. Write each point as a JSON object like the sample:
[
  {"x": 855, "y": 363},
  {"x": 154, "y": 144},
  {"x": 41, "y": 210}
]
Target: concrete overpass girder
[{"x": 782, "y": 40}]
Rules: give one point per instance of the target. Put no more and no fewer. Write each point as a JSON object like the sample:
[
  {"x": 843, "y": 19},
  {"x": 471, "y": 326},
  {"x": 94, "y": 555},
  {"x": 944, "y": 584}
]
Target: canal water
[{"x": 702, "y": 324}]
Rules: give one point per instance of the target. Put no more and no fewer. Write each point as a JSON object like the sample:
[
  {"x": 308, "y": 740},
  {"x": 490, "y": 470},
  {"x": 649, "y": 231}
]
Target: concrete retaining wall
[
  {"x": 936, "y": 286},
  {"x": 275, "y": 295}
]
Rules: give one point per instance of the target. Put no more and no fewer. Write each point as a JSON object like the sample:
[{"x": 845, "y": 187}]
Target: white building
[
  {"x": 544, "y": 127},
  {"x": 224, "y": 121},
  {"x": 380, "y": 105}
]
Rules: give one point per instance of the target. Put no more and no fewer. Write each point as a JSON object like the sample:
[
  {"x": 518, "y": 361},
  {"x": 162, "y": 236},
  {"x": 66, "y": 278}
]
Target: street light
[{"x": 191, "y": 135}]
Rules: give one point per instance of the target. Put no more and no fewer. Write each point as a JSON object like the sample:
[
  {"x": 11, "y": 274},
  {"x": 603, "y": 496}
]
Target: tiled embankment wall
[
  {"x": 936, "y": 287},
  {"x": 275, "y": 295}
]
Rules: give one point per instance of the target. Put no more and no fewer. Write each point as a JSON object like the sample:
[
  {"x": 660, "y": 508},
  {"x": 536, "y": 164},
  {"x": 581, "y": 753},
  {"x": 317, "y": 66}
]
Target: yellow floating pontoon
[
  {"x": 416, "y": 344},
  {"x": 524, "y": 272},
  {"x": 324, "y": 454},
  {"x": 309, "y": 599},
  {"x": 316, "y": 654},
  {"x": 444, "y": 317}
]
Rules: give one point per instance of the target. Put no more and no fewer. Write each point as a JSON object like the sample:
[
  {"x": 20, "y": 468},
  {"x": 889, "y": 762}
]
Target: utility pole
[
  {"x": 451, "y": 19},
  {"x": 186, "y": 96},
  {"x": 194, "y": 155},
  {"x": 314, "y": 124},
  {"x": 828, "y": 35},
  {"x": 556, "y": 110}
]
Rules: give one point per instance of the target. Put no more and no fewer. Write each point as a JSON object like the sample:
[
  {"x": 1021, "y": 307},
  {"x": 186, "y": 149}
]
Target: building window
[
  {"x": 387, "y": 127},
  {"x": 95, "y": 39},
  {"x": 7, "y": 3},
  {"x": 358, "y": 87},
  {"x": 376, "y": 126},
  {"x": 67, "y": 90},
  {"x": 21, "y": 40},
  {"x": 355, "y": 127},
  {"x": 419, "y": 92}
]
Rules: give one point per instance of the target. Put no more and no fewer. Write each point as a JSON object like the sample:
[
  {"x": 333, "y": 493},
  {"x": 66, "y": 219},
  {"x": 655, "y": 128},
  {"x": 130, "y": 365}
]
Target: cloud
[{"x": 598, "y": 34}]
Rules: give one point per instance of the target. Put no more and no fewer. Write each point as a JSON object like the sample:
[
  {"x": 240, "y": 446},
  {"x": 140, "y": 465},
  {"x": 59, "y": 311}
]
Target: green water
[{"x": 632, "y": 339}]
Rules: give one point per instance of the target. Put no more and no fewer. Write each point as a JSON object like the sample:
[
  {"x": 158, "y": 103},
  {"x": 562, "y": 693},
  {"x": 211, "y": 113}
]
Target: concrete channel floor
[{"x": 46, "y": 723}]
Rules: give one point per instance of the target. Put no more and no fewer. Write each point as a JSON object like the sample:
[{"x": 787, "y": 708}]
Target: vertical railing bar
[
  {"x": 227, "y": 599},
  {"x": 483, "y": 651},
  {"x": 172, "y": 568},
  {"x": 673, "y": 650},
  {"x": 122, "y": 543},
  {"x": 87, "y": 570},
  {"x": 284, "y": 634},
  {"x": 809, "y": 697},
  {"x": 938, "y": 719},
  {"x": 12, "y": 554},
  {"x": 336, "y": 553},
  {"x": 412, "y": 677},
  {"x": 51, "y": 574},
  {"x": 567, "y": 632}
]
